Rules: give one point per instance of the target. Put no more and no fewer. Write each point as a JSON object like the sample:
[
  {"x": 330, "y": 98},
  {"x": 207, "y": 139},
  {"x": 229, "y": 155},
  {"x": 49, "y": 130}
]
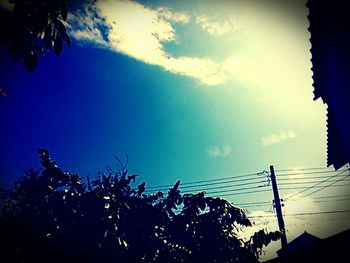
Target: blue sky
[{"x": 189, "y": 89}]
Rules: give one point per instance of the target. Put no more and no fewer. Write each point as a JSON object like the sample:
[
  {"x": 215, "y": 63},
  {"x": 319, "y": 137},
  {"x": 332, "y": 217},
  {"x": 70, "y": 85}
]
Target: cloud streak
[
  {"x": 217, "y": 152},
  {"x": 214, "y": 27},
  {"x": 277, "y": 137}
]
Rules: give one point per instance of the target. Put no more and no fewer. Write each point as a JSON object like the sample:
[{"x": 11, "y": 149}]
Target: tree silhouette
[
  {"x": 54, "y": 216},
  {"x": 33, "y": 28}
]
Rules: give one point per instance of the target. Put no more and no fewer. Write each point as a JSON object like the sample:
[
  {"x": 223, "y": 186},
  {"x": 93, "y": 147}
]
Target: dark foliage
[
  {"x": 54, "y": 216},
  {"x": 33, "y": 28}
]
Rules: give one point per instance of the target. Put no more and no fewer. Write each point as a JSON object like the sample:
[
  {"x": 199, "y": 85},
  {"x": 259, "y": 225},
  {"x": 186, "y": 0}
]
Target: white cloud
[
  {"x": 223, "y": 151},
  {"x": 140, "y": 32},
  {"x": 179, "y": 17},
  {"x": 236, "y": 67},
  {"x": 298, "y": 203},
  {"x": 215, "y": 27},
  {"x": 135, "y": 30},
  {"x": 85, "y": 25},
  {"x": 277, "y": 137}
]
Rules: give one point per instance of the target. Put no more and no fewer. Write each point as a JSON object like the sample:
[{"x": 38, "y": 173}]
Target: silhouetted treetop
[
  {"x": 33, "y": 28},
  {"x": 56, "y": 216}
]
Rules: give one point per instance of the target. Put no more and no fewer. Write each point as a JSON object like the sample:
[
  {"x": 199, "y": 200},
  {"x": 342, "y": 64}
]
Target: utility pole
[{"x": 277, "y": 202}]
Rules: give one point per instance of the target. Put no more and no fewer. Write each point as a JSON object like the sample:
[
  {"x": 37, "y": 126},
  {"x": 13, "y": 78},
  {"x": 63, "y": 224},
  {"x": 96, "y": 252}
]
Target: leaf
[
  {"x": 66, "y": 38},
  {"x": 125, "y": 244},
  {"x": 42, "y": 34},
  {"x": 39, "y": 49},
  {"x": 48, "y": 37},
  {"x": 95, "y": 182},
  {"x": 31, "y": 60},
  {"x": 176, "y": 186},
  {"x": 64, "y": 10},
  {"x": 58, "y": 45},
  {"x": 42, "y": 151},
  {"x": 132, "y": 178},
  {"x": 141, "y": 188},
  {"x": 60, "y": 26}
]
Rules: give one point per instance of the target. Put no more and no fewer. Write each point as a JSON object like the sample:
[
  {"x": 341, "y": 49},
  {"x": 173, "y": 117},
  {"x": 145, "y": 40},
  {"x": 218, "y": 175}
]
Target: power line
[
  {"x": 304, "y": 178},
  {"x": 315, "y": 198},
  {"x": 321, "y": 172},
  {"x": 310, "y": 187},
  {"x": 329, "y": 185},
  {"x": 303, "y": 169},
  {"x": 330, "y": 199},
  {"x": 230, "y": 181},
  {"x": 196, "y": 187},
  {"x": 336, "y": 200},
  {"x": 225, "y": 180},
  {"x": 216, "y": 187},
  {"x": 244, "y": 193},
  {"x": 221, "y": 184},
  {"x": 210, "y": 180},
  {"x": 210, "y": 184},
  {"x": 308, "y": 182},
  {"x": 306, "y": 214},
  {"x": 232, "y": 188},
  {"x": 314, "y": 186},
  {"x": 331, "y": 196},
  {"x": 268, "y": 203},
  {"x": 253, "y": 203}
]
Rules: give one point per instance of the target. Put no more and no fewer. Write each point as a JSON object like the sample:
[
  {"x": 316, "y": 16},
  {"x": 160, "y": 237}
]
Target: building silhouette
[{"x": 330, "y": 42}]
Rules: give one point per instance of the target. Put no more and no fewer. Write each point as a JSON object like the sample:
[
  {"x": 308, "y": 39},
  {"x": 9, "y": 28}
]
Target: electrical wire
[
  {"x": 256, "y": 205},
  {"x": 233, "y": 188},
  {"x": 308, "y": 182},
  {"x": 310, "y": 187},
  {"x": 221, "y": 183},
  {"x": 328, "y": 198},
  {"x": 302, "y": 169},
  {"x": 253, "y": 203},
  {"x": 226, "y": 180},
  {"x": 242, "y": 193},
  {"x": 331, "y": 196},
  {"x": 210, "y": 180},
  {"x": 336, "y": 200},
  {"x": 201, "y": 185},
  {"x": 314, "y": 186},
  {"x": 321, "y": 172},
  {"x": 329, "y": 185},
  {"x": 303, "y": 178},
  {"x": 306, "y": 214}
]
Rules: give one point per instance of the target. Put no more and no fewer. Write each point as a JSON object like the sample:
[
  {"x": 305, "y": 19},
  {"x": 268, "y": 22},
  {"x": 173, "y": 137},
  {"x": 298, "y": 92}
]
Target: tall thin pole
[{"x": 277, "y": 202}]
